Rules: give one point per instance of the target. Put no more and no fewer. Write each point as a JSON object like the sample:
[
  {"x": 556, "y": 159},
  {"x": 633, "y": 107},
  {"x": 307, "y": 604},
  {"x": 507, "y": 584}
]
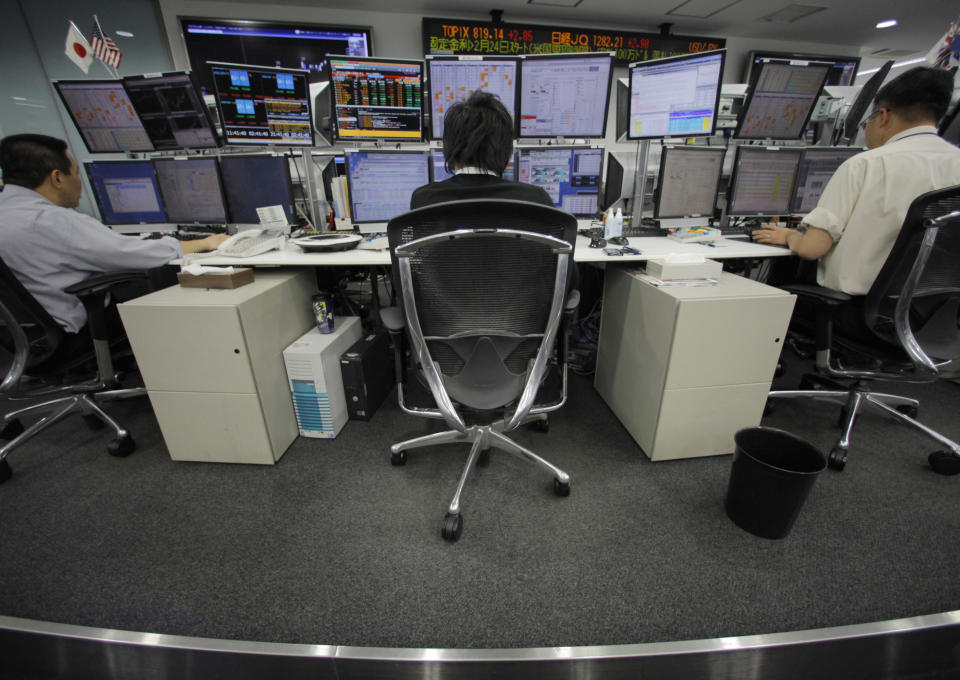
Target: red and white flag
[
  {"x": 78, "y": 49},
  {"x": 104, "y": 48}
]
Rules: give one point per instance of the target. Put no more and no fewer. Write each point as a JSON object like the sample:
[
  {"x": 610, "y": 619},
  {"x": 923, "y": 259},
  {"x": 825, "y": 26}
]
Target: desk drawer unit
[
  {"x": 212, "y": 362},
  {"x": 684, "y": 368}
]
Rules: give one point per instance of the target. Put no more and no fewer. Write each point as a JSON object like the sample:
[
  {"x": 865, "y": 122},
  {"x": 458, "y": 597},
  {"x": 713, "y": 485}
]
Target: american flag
[{"x": 104, "y": 48}]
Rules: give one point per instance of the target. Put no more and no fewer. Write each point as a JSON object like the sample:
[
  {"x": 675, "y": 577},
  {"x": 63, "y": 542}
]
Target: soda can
[{"x": 323, "y": 312}]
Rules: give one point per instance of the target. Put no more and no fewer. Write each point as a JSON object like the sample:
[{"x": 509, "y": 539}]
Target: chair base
[
  {"x": 481, "y": 439},
  {"x": 56, "y": 410},
  {"x": 903, "y": 409}
]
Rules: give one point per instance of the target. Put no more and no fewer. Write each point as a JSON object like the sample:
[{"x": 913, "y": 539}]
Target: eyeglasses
[{"x": 873, "y": 114}]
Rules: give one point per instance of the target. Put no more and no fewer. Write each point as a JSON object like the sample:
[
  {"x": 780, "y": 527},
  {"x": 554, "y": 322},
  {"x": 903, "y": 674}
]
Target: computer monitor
[
  {"x": 376, "y": 98},
  {"x": 781, "y": 100},
  {"x": 381, "y": 182},
  {"x": 842, "y": 71},
  {"x": 571, "y": 175},
  {"x": 453, "y": 79},
  {"x": 259, "y": 105},
  {"x": 618, "y": 179},
  {"x": 565, "y": 95},
  {"x": 104, "y": 116},
  {"x": 191, "y": 189},
  {"x": 126, "y": 192},
  {"x": 689, "y": 182},
  {"x": 675, "y": 96},
  {"x": 817, "y": 166},
  {"x": 438, "y": 168},
  {"x": 762, "y": 180},
  {"x": 297, "y": 46},
  {"x": 864, "y": 99},
  {"x": 949, "y": 127},
  {"x": 252, "y": 182},
  {"x": 172, "y": 111}
]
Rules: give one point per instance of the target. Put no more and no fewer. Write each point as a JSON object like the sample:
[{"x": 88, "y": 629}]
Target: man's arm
[
  {"x": 812, "y": 244},
  {"x": 203, "y": 244}
]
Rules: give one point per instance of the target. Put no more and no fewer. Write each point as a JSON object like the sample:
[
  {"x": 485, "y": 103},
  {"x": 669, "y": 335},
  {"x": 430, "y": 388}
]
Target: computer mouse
[
  {"x": 618, "y": 240},
  {"x": 598, "y": 242}
]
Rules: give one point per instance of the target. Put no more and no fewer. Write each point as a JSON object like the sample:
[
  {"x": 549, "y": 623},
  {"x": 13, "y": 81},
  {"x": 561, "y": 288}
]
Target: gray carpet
[{"x": 335, "y": 546}]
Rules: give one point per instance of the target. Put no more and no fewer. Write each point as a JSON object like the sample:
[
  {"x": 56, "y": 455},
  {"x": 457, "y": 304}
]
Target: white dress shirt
[
  {"x": 866, "y": 200},
  {"x": 49, "y": 248}
]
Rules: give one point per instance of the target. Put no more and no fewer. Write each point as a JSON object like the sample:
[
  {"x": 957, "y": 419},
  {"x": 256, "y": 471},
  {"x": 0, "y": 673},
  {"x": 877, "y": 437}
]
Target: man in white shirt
[
  {"x": 48, "y": 245},
  {"x": 859, "y": 215}
]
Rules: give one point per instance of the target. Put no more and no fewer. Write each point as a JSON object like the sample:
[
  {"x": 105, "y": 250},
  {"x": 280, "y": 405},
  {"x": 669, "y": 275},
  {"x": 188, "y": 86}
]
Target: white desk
[{"x": 648, "y": 246}]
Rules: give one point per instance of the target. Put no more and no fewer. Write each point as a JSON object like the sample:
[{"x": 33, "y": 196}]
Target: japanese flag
[{"x": 78, "y": 49}]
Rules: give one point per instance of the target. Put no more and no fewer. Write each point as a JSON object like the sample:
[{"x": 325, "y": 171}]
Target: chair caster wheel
[
  {"x": 121, "y": 447},
  {"x": 837, "y": 458},
  {"x": 452, "y": 526},
  {"x": 561, "y": 489},
  {"x": 6, "y": 472},
  {"x": 483, "y": 459},
  {"x": 12, "y": 430},
  {"x": 540, "y": 425},
  {"x": 399, "y": 458},
  {"x": 944, "y": 462},
  {"x": 908, "y": 410},
  {"x": 93, "y": 423}
]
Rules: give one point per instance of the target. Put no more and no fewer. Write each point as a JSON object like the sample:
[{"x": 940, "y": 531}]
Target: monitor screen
[
  {"x": 287, "y": 45},
  {"x": 126, "y": 192},
  {"x": 104, "y": 116},
  {"x": 676, "y": 96},
  {"x": 780, "y": 102},
  {"x": 438, "y": 168},
  {"x": 863, "y": 100},
  {"x": 261, "y": 105},
  {"x": 565, "y": 95},
  {"x": 570, "y": 175},
  {"x": 191, "y": 189},
  {"x": 454, "y": 79},
  {"x": 689, "y": 181},
  {"x": 949, "y": 127},
  {"x": 762, "y": 181},
  {"x": 816, "y": 168},
  {"x": 252, "y": 182},
  {"x": 377, "y": 98},
  {"x": 842, "y": 69},
  {"x": 381, "y": 182},
  {"x": 172, "y": 111}
]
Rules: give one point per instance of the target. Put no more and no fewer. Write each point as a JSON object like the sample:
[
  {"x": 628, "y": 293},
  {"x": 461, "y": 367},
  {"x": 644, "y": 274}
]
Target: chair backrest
[
  {"x": 483, "y": 298},
  {"x": 915, "y": 297},
  {"x": 28, "y": 331}
]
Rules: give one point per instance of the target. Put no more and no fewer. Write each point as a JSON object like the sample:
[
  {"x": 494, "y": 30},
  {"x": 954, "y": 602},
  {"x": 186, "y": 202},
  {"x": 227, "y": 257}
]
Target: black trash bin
[{"x": 771, "y": 476}]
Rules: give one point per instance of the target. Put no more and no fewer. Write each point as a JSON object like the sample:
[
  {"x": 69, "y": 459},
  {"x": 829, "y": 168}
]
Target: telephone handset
[{"x": 249, "y": 242}]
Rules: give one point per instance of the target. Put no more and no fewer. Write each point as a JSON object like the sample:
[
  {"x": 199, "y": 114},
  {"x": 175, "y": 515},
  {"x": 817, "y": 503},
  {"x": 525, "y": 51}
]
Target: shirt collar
[
  {"x": 919, "y": 129},
  {"x": 470, "y": 170}
]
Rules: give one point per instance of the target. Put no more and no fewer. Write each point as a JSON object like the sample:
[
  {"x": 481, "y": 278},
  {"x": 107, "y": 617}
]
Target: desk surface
[{"x": 649, "y": 247}]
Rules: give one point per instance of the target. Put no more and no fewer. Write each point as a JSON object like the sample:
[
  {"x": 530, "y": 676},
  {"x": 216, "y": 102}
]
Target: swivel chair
[
  {"x": 40, "y": 368},
  {"x": 906, "y": 327},
  {"x": 484, "y": 290}
]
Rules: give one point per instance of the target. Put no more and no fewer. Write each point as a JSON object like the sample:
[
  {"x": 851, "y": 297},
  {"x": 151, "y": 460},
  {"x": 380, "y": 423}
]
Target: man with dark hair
[
  {"x": 477, "y": 145},
  {"x": 859, "y": 215},
  {"x": 48, "y": 245}
]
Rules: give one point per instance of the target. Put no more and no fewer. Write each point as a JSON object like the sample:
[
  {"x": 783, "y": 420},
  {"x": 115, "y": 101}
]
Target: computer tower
[
  {"x": 367, "y": 369},
  {"x": 316, "y": 386}
]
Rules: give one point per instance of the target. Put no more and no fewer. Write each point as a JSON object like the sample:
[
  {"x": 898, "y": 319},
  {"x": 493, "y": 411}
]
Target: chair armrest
[
  {"x": 102, "y": 283},
  {"x": 818, "y": 293}
]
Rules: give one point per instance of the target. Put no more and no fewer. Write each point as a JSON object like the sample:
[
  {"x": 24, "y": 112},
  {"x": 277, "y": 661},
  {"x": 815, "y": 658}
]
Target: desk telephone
[{"x": 249, "y": 243}]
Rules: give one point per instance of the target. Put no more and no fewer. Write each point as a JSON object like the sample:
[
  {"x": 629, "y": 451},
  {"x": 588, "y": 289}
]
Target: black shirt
[{"x": 463, "y": 187}]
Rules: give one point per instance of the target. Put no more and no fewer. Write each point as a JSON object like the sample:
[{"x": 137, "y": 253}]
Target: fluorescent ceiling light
[
  {"x": 555, "y": 3},
  {"x": 124, "y": 34},
  {"x": 887, "y": 24}
]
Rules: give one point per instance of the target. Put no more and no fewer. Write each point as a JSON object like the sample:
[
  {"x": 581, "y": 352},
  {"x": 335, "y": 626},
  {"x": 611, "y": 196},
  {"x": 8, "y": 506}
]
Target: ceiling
[{"x": 839, "y": 22}]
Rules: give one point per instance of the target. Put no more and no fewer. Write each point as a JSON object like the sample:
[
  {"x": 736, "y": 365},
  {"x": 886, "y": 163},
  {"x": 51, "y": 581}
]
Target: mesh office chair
[
  {"x": 909, "y": 326},
  {"x": 484, "y": 290},
  {"x": 41, "y": 369}
]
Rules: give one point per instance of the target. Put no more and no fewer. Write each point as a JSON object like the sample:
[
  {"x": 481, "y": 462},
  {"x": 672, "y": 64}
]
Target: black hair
[
  {"x": 478, "y": 133},
  {"x": 27, "y": 160},
  {"x": 921, "y": 93}
]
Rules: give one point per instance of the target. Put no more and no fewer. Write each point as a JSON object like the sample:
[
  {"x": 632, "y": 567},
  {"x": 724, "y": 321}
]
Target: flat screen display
[
  {"x": 382, "y": 182},
  {"x": 191, "y": 189},
  {"x": 287, "y": 45},
  {"x": 261, "y": 105},
  {"x": 126, "y": 192},
  {"x": 689, "y": 181},
  {"x": 438, "y": 168},
  {"x": 172, "y": 111},
  {"x": 565, "y": 95},
  {"x": 454, "y": 79},
  {"x": 377, "y": 98},
  {"x": 252, "y": 182},
  {"x": 104, "y": 116},
  {"x": 762, "y": 181},
  {"x": 779, "y": 104},
  {"x": 817, "y": 166},
  {"x": 675, "y": 97},
  {"x": 571, "y": 176},
  {"x": 842, "y": 71}
]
